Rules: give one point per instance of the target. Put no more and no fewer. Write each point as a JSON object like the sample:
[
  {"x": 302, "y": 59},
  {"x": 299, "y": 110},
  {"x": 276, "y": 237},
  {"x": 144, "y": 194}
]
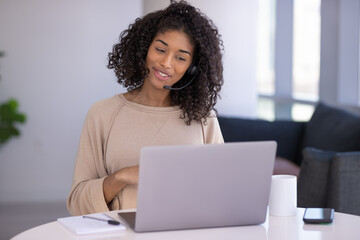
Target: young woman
[{"x": 170, "y": 61}]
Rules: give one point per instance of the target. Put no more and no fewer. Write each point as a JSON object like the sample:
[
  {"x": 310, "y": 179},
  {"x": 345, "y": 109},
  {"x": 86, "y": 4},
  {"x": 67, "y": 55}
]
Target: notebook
[
  {"x": 80, "y": 225},
  {"x": 202, "y": 186}
]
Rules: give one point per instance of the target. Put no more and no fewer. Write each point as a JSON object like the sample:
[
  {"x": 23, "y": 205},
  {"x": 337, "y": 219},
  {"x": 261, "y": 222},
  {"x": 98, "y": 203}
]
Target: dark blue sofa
[{"x": 325, "y": 150}]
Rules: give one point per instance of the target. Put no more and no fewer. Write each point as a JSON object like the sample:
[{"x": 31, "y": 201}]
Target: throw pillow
[
  {"x": 287, "y": 134},
  {"x": 333, "y": 129},
  {"x": 313, "y": 178},
  {"x": 344, "y": 183}
]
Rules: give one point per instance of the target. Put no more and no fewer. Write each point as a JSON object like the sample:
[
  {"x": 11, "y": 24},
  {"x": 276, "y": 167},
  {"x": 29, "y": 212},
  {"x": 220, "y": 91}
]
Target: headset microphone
[
  {"x": 192, "y": 70},
  {"x": 179, "y": 88}
]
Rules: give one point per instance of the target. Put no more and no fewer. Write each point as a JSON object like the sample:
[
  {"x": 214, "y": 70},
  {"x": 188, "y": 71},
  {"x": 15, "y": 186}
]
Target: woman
[{"x": 170, "y": 63}]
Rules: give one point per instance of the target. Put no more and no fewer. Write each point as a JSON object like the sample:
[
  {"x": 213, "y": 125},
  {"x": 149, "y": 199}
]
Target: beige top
[{"x": 114, "y": 131}]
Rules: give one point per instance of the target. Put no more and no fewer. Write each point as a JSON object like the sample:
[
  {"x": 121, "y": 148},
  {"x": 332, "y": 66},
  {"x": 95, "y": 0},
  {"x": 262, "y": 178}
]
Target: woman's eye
[
  {"x": 182, "y": 59},
  {"x": 160, "y": 50}
]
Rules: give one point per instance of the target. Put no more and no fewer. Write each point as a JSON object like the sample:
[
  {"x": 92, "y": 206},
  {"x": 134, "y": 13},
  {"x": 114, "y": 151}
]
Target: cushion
[
  {"x": 344, "y": 183},
  {"x": 333, "y": 129},
  {"x": 313, "y": 178},
  {"x": 288, "y": 134}
]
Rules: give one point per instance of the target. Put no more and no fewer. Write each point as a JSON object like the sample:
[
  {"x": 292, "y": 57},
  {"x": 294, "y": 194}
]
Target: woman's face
[{"x": 169, "y": 56}]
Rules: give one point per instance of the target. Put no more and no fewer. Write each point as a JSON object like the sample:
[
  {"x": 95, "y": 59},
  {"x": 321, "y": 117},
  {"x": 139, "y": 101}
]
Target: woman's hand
[
  {"x": 115, "y": 182},
  {"x": 129, "y": 175}
]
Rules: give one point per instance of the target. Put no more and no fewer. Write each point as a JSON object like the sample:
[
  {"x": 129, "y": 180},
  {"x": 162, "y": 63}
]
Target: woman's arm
[
  {"x": 113, "y": 183},
  {"x": 87, "y": 194},
  {"x": 212, "y": 131}
]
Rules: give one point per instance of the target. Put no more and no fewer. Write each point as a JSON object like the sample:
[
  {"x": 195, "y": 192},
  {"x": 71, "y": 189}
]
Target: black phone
[{"x": 318, "y": 215}]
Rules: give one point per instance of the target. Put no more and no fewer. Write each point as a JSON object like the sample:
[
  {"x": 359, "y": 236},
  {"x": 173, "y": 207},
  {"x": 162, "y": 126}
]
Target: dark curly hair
[{"x": 128, "y": 57}]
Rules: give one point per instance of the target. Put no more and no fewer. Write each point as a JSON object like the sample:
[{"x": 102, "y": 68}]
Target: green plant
[{"x": 9, "y": 117}]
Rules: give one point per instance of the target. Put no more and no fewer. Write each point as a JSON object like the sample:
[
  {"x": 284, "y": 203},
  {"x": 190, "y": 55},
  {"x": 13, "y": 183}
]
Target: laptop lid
[{"x": 198, "y": 186}]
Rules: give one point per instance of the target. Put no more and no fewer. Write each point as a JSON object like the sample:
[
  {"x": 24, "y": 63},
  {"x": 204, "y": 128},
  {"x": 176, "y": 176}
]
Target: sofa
[{"x": 324, "y": 153}]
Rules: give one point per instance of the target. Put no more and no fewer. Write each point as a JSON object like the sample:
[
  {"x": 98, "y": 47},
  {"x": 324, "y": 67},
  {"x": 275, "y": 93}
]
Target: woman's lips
[{"x": 161, "y": 75}]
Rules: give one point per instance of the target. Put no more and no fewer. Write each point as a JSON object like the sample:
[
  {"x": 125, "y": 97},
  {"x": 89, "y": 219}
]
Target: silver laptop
[{"x": 201, "y": 186}]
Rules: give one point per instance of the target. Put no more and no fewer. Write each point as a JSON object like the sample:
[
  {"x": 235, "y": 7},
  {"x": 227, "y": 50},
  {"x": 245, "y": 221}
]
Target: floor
[{"x": 16, "y": 218}]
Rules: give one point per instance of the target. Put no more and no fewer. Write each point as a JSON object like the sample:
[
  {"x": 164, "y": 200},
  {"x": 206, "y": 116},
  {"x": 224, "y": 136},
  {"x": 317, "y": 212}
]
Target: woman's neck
[{"x": 149, "y": 98}]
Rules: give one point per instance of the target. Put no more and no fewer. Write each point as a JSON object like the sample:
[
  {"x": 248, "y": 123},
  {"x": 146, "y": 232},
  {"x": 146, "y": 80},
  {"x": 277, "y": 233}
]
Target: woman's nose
[{"x": 166, "y": 61}]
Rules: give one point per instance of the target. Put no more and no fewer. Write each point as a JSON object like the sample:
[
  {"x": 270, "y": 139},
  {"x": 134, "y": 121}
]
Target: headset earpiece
[{"x": 192, "y": 70}]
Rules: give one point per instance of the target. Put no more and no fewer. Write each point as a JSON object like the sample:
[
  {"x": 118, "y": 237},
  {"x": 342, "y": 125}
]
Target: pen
[{"x": 111, "y": 222}]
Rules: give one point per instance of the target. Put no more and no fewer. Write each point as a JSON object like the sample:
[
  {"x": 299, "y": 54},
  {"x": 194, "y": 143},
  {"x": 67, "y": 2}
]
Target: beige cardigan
[{"x": 114, "y": 131}]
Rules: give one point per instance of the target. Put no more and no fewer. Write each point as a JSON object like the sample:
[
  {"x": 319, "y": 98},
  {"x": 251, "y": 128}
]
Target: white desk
[{"x": 344, "y": 226}]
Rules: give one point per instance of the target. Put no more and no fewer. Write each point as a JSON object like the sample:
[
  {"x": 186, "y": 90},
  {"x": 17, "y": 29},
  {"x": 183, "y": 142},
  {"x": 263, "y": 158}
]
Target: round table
[{"x": 344, "y": 226}]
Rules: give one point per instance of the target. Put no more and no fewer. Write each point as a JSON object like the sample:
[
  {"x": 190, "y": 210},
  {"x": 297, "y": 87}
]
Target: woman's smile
[{"x": 161, "y": 75}]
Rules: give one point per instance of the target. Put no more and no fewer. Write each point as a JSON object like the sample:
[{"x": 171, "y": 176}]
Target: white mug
[{"x": 283, "y": 196}]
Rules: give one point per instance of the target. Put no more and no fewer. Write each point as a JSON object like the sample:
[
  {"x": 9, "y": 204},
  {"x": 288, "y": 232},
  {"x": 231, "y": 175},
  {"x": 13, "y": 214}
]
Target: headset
[{"x": 191, "y": 72}]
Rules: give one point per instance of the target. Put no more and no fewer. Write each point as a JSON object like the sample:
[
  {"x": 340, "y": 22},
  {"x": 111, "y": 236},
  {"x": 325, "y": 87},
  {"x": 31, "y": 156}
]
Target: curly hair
[{"x": 128, "y": 57}]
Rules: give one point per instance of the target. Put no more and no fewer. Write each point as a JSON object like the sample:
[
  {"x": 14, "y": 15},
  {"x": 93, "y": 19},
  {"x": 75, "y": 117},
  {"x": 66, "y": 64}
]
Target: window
[
  {"x": 288, "y": 91},
  {"x": 306, "y": 50},
  {"x": 265, "y": 47}
]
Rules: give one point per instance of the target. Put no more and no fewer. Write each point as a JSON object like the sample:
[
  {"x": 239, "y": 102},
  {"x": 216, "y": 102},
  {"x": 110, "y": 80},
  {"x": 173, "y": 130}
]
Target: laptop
[{"x": 202, "y": 186}]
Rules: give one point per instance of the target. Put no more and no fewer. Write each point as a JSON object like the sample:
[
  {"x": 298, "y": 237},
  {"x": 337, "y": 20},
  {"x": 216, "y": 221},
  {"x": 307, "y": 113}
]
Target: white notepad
[{"x": 80, "y": 225}]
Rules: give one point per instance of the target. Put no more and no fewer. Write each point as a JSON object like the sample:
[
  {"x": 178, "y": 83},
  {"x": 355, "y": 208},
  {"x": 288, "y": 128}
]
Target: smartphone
[{"x": 318, "y": 215}]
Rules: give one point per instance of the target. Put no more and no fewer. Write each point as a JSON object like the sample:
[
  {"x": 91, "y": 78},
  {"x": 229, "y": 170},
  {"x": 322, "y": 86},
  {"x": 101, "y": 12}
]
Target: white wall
[
  {"x": 349, "y": 62},
  {"x": 56, "y": 67},
  {"x": 339, "y": 71},
  {"x": 237, "y": 23},
  {"x": 329, "y": 59}
]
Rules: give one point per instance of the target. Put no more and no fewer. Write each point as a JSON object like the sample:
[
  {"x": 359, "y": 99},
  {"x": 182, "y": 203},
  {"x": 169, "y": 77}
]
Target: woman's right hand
[{"x": 115, "y": 182}]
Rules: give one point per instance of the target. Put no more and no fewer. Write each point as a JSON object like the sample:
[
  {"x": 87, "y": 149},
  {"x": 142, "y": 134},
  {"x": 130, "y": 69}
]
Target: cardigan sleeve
[{"x": 86, "y": 195}]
